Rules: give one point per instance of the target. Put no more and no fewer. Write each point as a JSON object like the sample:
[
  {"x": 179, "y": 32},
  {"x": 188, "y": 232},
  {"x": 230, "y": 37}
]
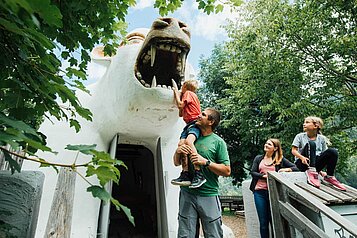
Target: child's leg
[
  {"x": 184, "y": 162},
  {"x": 329, "y": 159},
  {"x": 302, "y": 167},
  {"x": 190, "y": 140},
  {"x": 309, "y": 151},
  {"x": 184, "y": 178}
]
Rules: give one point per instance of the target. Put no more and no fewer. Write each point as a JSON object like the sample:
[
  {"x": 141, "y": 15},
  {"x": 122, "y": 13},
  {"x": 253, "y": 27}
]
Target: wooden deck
[
  {"x": 329, "y": 195},
  {"x": 301, "y": 210}
]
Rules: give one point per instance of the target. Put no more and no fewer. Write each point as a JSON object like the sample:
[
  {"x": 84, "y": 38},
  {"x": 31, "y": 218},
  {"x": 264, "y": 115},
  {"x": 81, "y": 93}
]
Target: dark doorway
[{"x": 136, "y": 190}]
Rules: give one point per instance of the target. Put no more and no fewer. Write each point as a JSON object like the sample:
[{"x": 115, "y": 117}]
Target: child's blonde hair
[
  {"x": 317, "y": 121},
  {"x": 320, "y": 124},
  {"x": 191, "y": 85}
]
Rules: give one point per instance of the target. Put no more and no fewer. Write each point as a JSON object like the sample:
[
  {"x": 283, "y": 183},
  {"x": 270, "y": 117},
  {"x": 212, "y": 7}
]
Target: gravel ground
[{"x": 237, "y": 224}]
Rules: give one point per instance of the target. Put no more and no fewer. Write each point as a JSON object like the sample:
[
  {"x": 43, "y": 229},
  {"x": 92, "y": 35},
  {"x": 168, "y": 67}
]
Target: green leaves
[
  {"x": 208, "y": 6},
  {"x": 50, "y": 14},
  {"x": 284, "y": 62},
  {"x": 126, "y": 210},
  {"x": 17, "y": 133},
  {"x": 14, "y": 166},
  {"x": 104, "y": 167},
  {"x": 99, "y": 192},
  {"x": 101, "y": 165},
  {"x": 85, "y": 149}
]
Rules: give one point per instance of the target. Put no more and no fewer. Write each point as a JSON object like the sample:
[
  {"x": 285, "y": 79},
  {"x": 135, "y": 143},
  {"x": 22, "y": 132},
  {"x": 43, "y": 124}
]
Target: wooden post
[
  {"x": 60, "y": 218},
  {"x": 278, "y": 220}
]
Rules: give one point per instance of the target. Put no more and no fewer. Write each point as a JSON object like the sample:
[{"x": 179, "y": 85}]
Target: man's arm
[{"x": 219, "y": 169}]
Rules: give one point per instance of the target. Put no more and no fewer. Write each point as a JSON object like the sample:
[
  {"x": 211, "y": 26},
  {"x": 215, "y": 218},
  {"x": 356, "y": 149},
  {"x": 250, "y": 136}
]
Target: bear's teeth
[
  {"x": 153, "y": 53},
  {"x": 153, "y": 83}
]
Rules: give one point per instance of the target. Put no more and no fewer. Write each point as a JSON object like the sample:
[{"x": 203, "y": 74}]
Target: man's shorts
[
  {"x": 190, "y": 128},
  {"x": 192, "y": 207}
]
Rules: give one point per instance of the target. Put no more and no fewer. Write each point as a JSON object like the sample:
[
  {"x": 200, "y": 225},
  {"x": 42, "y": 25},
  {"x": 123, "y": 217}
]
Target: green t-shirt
[{"x": 213, "y": 148}]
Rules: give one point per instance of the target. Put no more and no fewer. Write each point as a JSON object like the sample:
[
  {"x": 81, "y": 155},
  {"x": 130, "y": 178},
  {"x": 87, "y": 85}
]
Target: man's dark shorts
[{"x": 190, "y": 128}]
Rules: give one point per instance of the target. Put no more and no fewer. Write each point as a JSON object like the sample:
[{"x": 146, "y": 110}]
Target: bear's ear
[{"x": 97, "y": 56}]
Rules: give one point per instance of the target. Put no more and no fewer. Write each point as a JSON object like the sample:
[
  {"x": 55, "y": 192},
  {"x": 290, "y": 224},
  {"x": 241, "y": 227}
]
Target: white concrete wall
[{"x": 250, "y": 213}]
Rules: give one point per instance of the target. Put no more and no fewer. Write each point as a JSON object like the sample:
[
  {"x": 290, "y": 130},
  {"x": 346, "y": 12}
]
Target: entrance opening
[{"x": 136, "y": 190}]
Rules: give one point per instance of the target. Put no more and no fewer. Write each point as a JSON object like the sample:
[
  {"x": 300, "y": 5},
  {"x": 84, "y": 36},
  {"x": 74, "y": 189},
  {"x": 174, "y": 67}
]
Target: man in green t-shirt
[{"x": 203, "y": 202}]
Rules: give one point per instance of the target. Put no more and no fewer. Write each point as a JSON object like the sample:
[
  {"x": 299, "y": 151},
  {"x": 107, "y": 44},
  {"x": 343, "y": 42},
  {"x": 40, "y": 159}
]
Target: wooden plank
[
  {"x": 300, "y": 222},
  {"x": 309, "y": 200},
  {"x": 295, "y": 192},
  {"x": 297, "y": 197},
  {"x": 277, "y": 220},
  {"x": 60, "y": 218},
  {"x": 318, "y": 193},
  {"x": 336, "y": 193},
  {"x": 351, "y": 191}
]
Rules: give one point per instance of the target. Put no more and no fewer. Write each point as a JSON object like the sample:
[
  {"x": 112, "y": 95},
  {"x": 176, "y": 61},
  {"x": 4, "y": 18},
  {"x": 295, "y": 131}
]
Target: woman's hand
[{"x": 285, "y": 170}]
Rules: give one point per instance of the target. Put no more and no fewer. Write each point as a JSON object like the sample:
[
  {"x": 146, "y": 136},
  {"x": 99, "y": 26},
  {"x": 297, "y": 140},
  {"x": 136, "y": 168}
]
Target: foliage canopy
[{"x": 285, "y": 61}]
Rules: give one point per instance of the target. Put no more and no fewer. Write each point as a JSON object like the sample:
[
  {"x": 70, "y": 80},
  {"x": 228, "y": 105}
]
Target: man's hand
[
  {"x": 219, "y": 169},
  {"x": 197, "y": 159},
  {"x": 184, "y": 149},
  {"x": 180, "y": 151}
]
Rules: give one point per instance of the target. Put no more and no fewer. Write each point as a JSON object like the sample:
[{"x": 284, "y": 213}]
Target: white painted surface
[
  {"x": 120, "y": 105},
  {"x": 250, "y": 212}
]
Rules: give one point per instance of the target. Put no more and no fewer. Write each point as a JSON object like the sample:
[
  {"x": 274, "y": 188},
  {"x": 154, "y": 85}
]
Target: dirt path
[{"x": 237, "y": 224}]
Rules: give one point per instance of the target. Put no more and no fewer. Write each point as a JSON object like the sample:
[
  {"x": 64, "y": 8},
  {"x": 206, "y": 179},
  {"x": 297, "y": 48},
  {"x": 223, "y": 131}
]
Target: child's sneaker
[
  {"x": 183, "y": 180},
  {"x": 313, "y": 177},
  {"x": 198, "y": 179},
  {"x": 334, "y": 182}
]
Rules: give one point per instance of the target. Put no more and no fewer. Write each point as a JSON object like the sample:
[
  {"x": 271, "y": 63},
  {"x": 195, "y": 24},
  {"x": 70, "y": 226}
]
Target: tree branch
[
  {"x": 43, "y": 161},
  {"x": 323, "y": 63}
]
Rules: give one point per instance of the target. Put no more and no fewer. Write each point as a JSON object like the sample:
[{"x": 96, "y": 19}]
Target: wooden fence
[{"x": 234, "y": 203}]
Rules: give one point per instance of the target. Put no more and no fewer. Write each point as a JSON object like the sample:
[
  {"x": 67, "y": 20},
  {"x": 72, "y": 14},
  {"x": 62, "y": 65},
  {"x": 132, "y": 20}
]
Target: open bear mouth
[{"x": 162, "y": 58}]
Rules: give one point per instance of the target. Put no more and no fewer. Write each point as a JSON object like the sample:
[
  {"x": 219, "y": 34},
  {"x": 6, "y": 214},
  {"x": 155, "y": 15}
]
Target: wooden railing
[{"x": 296, "y": 213}]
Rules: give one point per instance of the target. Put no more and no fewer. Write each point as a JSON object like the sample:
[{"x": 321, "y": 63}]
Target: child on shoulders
[{"x": 190, "y": 109}]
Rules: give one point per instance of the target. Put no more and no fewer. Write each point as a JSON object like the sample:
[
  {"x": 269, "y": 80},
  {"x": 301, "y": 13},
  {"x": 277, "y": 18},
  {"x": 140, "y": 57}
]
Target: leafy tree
[
  {"x": 39, "y": 38},
  {"x": 213, "y": 72},
  {"x": 351, "y": 177},
  {"x": 287, "y": 61}
]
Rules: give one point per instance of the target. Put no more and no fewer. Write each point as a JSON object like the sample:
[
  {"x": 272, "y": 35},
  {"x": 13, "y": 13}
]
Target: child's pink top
[
  {"x": 263, "y": 169},
  {"x": 192, "y": 108}
]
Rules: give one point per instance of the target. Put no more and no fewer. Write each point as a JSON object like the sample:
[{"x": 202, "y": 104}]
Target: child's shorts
[{"x": 190, "y": 128}]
